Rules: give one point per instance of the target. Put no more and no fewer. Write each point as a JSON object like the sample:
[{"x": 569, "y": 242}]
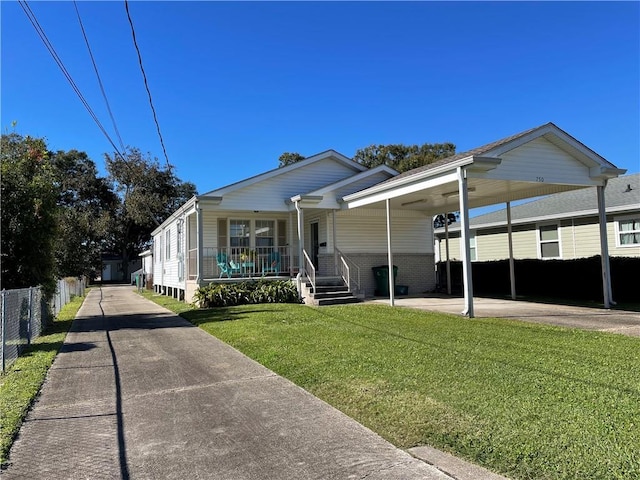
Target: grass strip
[
  {"x": 21, "y": 382},
  {"x": 529, "y": 401}
]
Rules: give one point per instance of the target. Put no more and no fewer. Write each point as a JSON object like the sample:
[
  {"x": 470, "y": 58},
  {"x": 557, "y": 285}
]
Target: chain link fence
[{"x": 25, "y": 313}]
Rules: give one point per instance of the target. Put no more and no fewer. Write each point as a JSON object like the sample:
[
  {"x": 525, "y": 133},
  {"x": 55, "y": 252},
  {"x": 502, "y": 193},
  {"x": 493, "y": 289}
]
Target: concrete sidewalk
[{"x": 137, "y": 392}]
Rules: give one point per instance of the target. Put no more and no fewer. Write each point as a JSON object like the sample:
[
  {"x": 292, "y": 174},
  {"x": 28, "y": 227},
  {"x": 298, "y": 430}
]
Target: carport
[{"x": 540, "y": 161}]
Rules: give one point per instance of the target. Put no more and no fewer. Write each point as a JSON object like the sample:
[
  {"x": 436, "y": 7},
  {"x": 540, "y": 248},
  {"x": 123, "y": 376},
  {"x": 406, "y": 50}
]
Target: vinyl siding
[
  {"x": 541, "y": 161},
  {"x": 365, "y": 231},
  {"x": 270, "y": 195}
]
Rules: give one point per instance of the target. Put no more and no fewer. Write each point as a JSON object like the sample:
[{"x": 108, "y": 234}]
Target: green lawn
[
  {"x": 526, "y": 400},
  {"x": 21, "y": 382}
]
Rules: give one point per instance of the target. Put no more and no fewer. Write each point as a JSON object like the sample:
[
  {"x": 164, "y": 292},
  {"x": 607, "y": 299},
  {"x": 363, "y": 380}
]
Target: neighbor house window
[
  {"x": 628, "y": 232},
  {"x": 168, "y": 244},
  {"x": 548, "y": 241},
  {"x": 473, "y": 247}
]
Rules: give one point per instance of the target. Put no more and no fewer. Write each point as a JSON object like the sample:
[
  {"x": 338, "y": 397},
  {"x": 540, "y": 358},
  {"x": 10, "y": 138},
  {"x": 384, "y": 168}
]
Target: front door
[{"x": 315, "y": 244}]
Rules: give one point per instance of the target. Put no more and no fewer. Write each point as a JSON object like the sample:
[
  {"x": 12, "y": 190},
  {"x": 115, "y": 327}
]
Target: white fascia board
[
  {"x": 146, "y": 253},
  {"x": 605, "y": 173},
  {"x": 398, "y": 191},
  {"x": 544, "y": 218},
  {"x": 391, "y": 184},
  {"x": 283, "y": 170}
]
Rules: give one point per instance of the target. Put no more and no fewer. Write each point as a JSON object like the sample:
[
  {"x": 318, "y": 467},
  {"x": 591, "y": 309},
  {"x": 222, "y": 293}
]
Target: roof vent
[{"x": 628, "y": 188}]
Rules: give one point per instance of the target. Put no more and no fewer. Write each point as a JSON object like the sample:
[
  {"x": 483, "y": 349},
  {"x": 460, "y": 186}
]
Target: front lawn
[{"x": 526, "y": 400}]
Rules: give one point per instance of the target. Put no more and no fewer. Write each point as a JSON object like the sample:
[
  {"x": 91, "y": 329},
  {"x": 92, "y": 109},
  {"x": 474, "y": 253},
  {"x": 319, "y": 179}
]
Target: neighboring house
[
  {"x": 112, "y": 267},
  {"x": 561, "y": 226},
  {"x": 265, "y": 225}
]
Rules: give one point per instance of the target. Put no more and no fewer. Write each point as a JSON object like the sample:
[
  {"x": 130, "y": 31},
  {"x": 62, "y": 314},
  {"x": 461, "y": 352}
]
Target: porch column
[
  {"x": 390, "y": 257},
  {"x": 300, "y": 239},
  {"x": 335, "y": 247},
  {"x": 446, "y": 246},
  {"x": 466, "y": 250},
  {"x": 199, "y": 231},
  {"x": 290, "y": 240},
  {"x": 604, "y": 249},
  {"x": 512, "y": 271}
]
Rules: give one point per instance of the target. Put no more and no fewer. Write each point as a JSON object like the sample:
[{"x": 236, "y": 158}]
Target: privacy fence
[{"x": 25, "y": 313}]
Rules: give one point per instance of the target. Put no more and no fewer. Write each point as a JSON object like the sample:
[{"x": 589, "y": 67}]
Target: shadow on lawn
[{"x": 219, "y": 314}]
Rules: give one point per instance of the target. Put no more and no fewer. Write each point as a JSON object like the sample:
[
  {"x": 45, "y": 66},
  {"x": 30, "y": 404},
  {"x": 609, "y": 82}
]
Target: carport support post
[
  {"x": 446, "y": 246},
  {"x": 390, "y": 257},
  {"x": 512, "y": 270},
  {"x": 604, "y": 248},
  {"x": 466, "y": 250}
]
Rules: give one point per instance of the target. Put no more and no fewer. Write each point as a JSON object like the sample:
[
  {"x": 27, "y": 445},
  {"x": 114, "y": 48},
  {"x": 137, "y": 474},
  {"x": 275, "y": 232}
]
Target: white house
[
  {"x": 265, "y": 225},
  {"x": 329, "y": 215}
]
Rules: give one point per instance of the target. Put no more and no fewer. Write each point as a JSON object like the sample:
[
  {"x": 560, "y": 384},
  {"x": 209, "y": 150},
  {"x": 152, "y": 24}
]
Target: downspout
[
  {"x": 466, "y": 251},
  {"x": 604, "y": 248}
]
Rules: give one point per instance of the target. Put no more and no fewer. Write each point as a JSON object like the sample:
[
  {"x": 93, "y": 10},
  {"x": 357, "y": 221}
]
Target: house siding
[{"x": 542, "y": 162}]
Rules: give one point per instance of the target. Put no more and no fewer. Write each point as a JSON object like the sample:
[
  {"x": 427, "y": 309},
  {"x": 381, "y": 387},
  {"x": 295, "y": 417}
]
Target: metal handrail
[
  {"x": 346, "y": 278},
  {"x": 350, "y": 278},
  {"x": 310, "y": 270}
]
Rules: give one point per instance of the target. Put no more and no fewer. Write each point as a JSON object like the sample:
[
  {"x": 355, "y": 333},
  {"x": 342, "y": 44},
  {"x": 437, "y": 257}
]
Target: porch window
[
  {"x": 548, "y": 241},
  {"x": 240, "y": 233},
  {"x": 628, "y": 232},
  {"x": 265, "y": 233}
]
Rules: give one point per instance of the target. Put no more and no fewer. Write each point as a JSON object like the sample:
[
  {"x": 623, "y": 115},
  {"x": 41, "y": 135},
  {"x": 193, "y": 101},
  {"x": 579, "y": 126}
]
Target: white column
[
  {"x": 200, "y": 234},
  {"x": 335, "y": 247},
  {"x": 300, "y": 239},
  {"x": 290, "y": 240},
  {"x": 512, "y": 270},
  {"x": 390, "y": 257},
  {"x": 466, "y": 250},
  {"x": 446, "y": 246},
  {"x": 604, "y": 249}
]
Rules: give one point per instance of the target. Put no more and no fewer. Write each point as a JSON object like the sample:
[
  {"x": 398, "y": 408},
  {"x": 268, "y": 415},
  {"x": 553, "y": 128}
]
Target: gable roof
[
  {"x": 355, "y": 166},
  {"x": 509, "y": 143},
  {"x": 574, "y": 203}
]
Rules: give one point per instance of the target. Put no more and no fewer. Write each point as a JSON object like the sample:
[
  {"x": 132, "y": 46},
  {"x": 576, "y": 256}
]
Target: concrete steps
[{"x": 329, "y": 291}]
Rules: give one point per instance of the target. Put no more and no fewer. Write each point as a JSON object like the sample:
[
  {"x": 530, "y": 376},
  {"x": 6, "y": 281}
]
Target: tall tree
[
  {"x": 87, "y": 206},
  {"x": 148, "y": 193},
  {"x": 287, "y": 158},
  {"x": 29, "y": 210},
  {"x": 403, "y": 157}
]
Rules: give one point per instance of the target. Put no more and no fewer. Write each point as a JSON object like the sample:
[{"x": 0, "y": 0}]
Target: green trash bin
[{"x": 381, "y": 276}]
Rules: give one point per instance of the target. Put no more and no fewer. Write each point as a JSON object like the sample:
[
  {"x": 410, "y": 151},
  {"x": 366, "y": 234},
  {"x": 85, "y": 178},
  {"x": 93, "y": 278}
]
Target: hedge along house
[
  {"x": 291, "y": 222},
  {"x": 541, "y": 161},
  {"x": 561, "y": 226}
]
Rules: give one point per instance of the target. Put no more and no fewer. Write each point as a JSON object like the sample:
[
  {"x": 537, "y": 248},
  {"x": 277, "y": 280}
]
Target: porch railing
[
  {"x": 240, "y": 262},
  {"x": 349, "y": 271},
  {"x": 310, "y": 270}
]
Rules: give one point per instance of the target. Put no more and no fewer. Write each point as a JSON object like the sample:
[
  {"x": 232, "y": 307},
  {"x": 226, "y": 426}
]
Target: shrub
[{"x": 242, "y": 293}]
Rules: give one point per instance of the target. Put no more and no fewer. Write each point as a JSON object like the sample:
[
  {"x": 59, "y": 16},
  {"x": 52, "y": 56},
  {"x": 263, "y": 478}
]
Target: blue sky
[{"x": 237, "y": 84}]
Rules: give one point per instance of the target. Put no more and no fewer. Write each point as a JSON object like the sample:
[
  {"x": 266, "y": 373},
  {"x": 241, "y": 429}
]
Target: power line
[
  {"x": 95, "y": 68},
  {"x": 39, "y": 30},
  {"x": 146, "y": 85}
]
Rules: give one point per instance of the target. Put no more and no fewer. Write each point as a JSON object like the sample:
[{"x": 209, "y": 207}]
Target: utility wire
[
  {"x": 146, "y": 85},
  {"x": 95, "y": 68},
  {"x": 39, "y": 30}
]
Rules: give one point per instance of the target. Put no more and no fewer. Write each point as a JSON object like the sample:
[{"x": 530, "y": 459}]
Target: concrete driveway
[
  {"x": 616, "y": 321},
  {"x": 137, "y": 392}
]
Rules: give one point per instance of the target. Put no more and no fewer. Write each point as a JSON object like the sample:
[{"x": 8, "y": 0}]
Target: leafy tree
[
  {"x": 438, "y": 220},
  {"x": 29, "y": 213},
  {"x": 287, "y": 158},
  {"x": 148, "y": 193},
  {"x": 403, "y": 157},
  {"x": 87, "y": 205}
]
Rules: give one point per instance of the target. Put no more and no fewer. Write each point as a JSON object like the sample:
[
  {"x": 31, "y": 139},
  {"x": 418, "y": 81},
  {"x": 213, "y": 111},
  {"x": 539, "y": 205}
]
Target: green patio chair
[
  {"x": 271, "y": 263},
  {"x": 225, "y": 266}
]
